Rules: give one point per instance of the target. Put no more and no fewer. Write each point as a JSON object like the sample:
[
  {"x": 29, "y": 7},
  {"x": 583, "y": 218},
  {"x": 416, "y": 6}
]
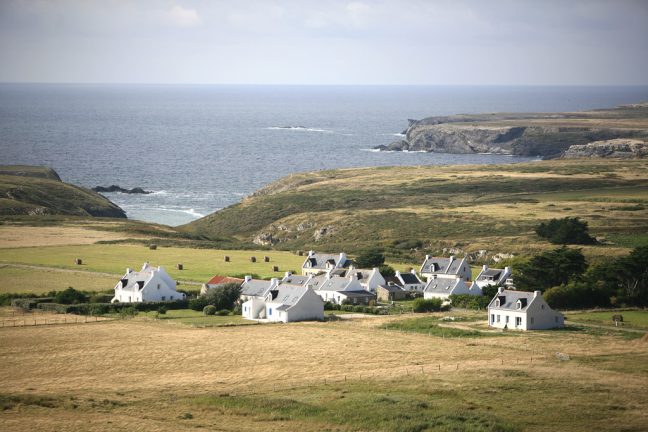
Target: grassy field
[
  {"x": 347, "y": 375},
  {"x": 631, "y": 319},
  {"x": 199, "y": 264},
  {"x": 196, "y": 318},
  {"x": 41, "y": 281},
  {"x": 422, "y": 209}
]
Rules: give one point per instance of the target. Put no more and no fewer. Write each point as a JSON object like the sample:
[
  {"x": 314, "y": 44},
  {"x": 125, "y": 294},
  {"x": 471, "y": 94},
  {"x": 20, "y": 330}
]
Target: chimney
[
  {"x": 507, "y": 270},
  {"x": 311, "y": 253},
  {"x": 484, "y": 267},
  {"x": 288, "y": 274},
  {"x": 274, "y": 282},
  {"x": 397, "y": 274},
  {"x": 129, "y": 270},
  {"x": 500, "y": 290},
  {"x": 427, "y": 257},
  {"x": 248, "y": 278},
  {"x": 343, "y": 258},
  {"x": 537, "y": 294},
  {"x": 452, "y": 257}
]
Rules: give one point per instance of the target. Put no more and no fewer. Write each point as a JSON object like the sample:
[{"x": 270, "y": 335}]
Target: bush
[
  {"x": 198, "y": 304},
  {"x": 221, "y": 297},
  {"x": 346, "y": 308},
  {"x": 426, "y": 305},
  {"x": 370, "y": 258},
  {"x": 100, "y": 298},
  {"x": 127, "y": 312},
  {"x": 223, "y": 312},
  {"x": 162, "y": 310},
  {"x": 70, "y": 296},
  {"x": 577, "y": 295},
  {"x": 328, "y": 305},
  {"x": 470, "y": 301},
  {"x": 565, "y": 231},
  {"x": 209, "y": 310},
  {"x": 386, "y": 270}
]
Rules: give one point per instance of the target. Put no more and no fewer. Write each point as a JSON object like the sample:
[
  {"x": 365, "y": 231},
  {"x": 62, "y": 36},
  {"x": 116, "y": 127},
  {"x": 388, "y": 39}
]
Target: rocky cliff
[
  {"x": 32, "y": 191},
  {"x": 616, "y": 148},
  {"x": 523, "y": 134}
]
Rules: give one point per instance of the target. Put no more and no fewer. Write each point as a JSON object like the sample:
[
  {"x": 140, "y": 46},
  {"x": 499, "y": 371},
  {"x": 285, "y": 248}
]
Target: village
[{"x": 333, "y": 279}]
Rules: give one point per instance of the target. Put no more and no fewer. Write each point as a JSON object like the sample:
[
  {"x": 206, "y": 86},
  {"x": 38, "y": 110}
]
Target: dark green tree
[
  {"x": 70, "y": 296},
  {"x": 370, "y": 258},
  {"x": 568, "y": 230},
  {"x": 550, "y": 269},
  {"x": 221, "y": 297}
]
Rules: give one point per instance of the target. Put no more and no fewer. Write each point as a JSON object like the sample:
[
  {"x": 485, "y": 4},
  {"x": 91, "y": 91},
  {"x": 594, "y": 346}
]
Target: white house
[
  {"x": 317, "y": 263},
  {"x": 256, "y": 288},
  {"x": 492, "y": 276},
  {"x": 451, "y": 267},
  {"x": 148, "y": 284},
  {"x": 285, "y": 303},
  {"x": 368, "y": 279},
  {"x": 409, "y": 281},
  {"x": 522, "y": 310},
  {"x": 332, "y": 288},
  {"x": 439, "y": 287}
]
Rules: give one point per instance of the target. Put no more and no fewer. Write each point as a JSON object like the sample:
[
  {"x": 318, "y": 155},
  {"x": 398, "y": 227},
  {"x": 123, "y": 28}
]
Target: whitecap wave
[
  {"x": 300, "y": 128},
  {"x": 160, "y": 192}
]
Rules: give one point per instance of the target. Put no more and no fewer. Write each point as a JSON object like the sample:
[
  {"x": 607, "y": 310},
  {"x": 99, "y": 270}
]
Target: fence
[{"x": 42, "y": 318}]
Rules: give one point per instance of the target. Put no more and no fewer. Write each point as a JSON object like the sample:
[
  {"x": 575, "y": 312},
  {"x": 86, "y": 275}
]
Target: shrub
[
  {"x": 346, "y": 308},
  {"x": 470, "y": 301},
  {"x": 198, "y": 304},
  {"x": 386, "y": 270},
  {"x": 128, "y": 312},
  {"x": 70, "y": 296},
  {"x": 162, "y": 310},
  {"x": 209, "y": 310},
  {"x": 221, "y": 297},
  {"x": 426, "y": 305},
  {"x": 328, "y": 305},
  {"x": 100, "y": 298},
  {"x": 370, "y": 258},
  {"x": 223, "y": 312},
  {"x": 567, "y": 230}
]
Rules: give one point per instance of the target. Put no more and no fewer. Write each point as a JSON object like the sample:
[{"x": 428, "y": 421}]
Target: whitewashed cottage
[
  {"x": 285, "y": 303},
  {"x": 409, "y": 281},
  {"x": 256, "y": 288},
  {"x": 317, "y": 263},
  {"x": 442, "y": 288},
  {"x": 441, "y": 267},
  {"x": 492, "y": 276},
  {"x": 340, "y": 290},
  {"x": 150, "y": 284},
  {"x": 522, "y": 310}
]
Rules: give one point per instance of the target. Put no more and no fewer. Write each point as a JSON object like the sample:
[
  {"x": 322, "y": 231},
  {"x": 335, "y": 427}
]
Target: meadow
[{"x": 347, "y": 375}]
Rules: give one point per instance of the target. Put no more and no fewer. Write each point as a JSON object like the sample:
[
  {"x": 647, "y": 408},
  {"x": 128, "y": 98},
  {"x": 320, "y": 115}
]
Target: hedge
[
  {"x": 30, "y": 303},
  {"x": 105, "y": 308},
  {"x": 470, "y": 301}
]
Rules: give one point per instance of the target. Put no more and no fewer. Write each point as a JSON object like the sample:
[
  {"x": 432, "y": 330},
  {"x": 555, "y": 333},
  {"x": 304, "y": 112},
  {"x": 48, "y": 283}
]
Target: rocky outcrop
[
  {"x": 115, "y": 188},
  {"x": 522, "y": 134},
  {"x": 615, "y": 148}
]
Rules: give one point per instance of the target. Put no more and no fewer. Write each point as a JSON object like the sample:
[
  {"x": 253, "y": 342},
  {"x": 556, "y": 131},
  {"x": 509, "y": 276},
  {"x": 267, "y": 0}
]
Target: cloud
[{"x": 183, "y": 17}]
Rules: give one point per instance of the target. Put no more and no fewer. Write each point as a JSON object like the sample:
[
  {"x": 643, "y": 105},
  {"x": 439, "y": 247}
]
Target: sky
[{"x": 403, "y": 42}]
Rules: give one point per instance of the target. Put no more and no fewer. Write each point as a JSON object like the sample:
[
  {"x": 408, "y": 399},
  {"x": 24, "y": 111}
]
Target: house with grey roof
[
  {"x": 368, "y": 279},
  {"x": 285, "y": 303},
  {"x": 256, "y": 288},
  {"x": 522, "y": 310},
  {"x": 149, "y": 284},
  {"x": 317, "y": 263},
  {"x": 443, "y": 288},
  {"x": 409, "y": 281},
  {"x": 391, "y": 292},
  {"x": 492, "y": 276},
  {"x": 442, "y": 267},
  {"x": 296, "y": 279},
  {"x": 337, "y": 289}
]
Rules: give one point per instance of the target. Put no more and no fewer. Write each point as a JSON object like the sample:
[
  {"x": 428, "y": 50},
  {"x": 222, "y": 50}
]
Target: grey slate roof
[
  {"x": 318, "y": 261},
  {"x": 491, "y": 274},
  {"x": 333, "y": 284},
  {"x": 441, "y": 285},
  {"x": 296, "y": 279},
  {"x": 391, "y": 288},
  {"x": 394, "y": 280},
  {"x": 443, "y": 265},
  {"x": 410, "y": 278},
  {"x": 357, "y": 294},
  {"x": 509, "y": 298},
  {"x": 288, "y": 295},
  {"x": 134, "y": 281},
  {"x": 255, "y": 287}
]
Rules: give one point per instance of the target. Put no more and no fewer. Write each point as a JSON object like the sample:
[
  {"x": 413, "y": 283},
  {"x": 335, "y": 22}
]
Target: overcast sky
[{"x": 325, "y": 42}]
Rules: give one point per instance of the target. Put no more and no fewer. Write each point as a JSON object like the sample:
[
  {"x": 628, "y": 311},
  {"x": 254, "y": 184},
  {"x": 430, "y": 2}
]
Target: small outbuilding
[{"x": 391, "y": 292}]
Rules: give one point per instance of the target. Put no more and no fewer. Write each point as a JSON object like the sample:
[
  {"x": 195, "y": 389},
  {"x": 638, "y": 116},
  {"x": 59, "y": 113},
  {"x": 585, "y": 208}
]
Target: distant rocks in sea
[{"x": 115, "y": 188}]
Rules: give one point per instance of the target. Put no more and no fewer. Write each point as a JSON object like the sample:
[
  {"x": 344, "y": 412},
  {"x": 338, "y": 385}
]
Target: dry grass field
[
  {"x": 34, "y": 280},
  {"x": 347, "y": 375},
  {"x": 15, "y": 236}
]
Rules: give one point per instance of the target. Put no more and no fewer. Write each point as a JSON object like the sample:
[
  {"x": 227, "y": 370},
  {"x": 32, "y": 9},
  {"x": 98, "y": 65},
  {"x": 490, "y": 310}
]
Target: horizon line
[{"x": 98, "y": 83}]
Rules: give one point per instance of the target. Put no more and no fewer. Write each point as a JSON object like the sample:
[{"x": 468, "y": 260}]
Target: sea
[{"x": 200, "y": 148}]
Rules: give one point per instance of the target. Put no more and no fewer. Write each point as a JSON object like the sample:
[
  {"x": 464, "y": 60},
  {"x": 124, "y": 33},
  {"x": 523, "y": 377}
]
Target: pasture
[
  {"x": 347, "y": 375},
  {"x": 33, "y": 280}
]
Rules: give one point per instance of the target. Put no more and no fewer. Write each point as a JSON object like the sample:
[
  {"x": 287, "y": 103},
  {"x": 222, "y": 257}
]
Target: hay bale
[
  {"x": 179, "y": 266},
  {"x": 78, "y": 261},
  {"x": 300, "y": 253},
  {"x": 152, "y": 246},
  {"x": 253, "y": 259},
  {"x": 275, "y": 268},
  {"x": 266, "y": 258},
  {"x": 562, "y": 356},
  {"x": 226, "y": 258}
]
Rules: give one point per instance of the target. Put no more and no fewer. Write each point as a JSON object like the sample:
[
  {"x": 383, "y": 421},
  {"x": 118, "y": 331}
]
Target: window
[
  {"x": 556, "y": 319},
  {"x": 492, "y": 318},
  {"x": 518, "y": 321},
  {"x": 542, "y": 306},
  {"x": 269, "y": 311},
  {"x": 245, "y": 309},
  {"x": 532, "y": 320},
  {"x": 171, "y": 298},
  {"x": 507, "y": 319},
  {"x": 163, "y": 298},
  {"x": 498, "y": 318},
  {"x": 158, "y": 286}
]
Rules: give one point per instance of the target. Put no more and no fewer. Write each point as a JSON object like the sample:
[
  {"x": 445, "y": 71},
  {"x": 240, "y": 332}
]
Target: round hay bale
[
  {"x": 152, "y": 246},
  {"x": 179, "y": 266},
  {"x": 226, "y": 258},
  {"x": 78, "y": 261},
  {"x": 253, "y": 259},
  {"x": 275, "y": 268},
  {"x": 266, "y": 258}
]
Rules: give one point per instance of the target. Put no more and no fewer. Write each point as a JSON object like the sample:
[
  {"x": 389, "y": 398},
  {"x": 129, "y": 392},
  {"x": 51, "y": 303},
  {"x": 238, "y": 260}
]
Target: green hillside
[
  {"x": 30, "y": 190},
  {"x": 409, "y": 210}
]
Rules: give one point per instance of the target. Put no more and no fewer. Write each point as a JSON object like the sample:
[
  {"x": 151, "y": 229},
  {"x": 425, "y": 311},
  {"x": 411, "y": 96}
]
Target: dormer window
[
  {"x": 519, "y": 304},
  {"x": 497, "y": 303}
]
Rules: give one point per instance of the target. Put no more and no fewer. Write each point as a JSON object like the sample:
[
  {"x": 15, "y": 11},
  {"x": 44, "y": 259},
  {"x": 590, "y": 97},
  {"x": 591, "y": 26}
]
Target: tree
[
  {"x": 70, "y": 296},
  {"x": 578, "y": 295},
  {"x": 221, "y": 297},
  {"x": 626, "y": 277},
  {"x": 567, "y": 230},
  {"x": 386, "y": 270},
  {"x": 370, "y": 258},
  {"x": 489, "y": 291},
  {"x": 550, "y": 269}
]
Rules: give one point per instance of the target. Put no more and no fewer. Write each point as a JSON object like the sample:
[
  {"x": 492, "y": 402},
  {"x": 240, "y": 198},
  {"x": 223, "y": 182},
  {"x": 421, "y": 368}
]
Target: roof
[
  {"x": 394, "y": 280},
  {"x": 135, "y": 280},
  {"x": 442, "y": 265},
  {"x": 319, "y": 261},
  {"x": 333, "y": 284},
  {"x": 255, "y": 287},
  {"x": 491, "y": 274},
  {"x": 218, "y": 280},
  {"x": 441, "y": 285},
  {"x": 288, "y": 295},
  {"x": 509, "y": 298},
  {"x": 410, "y": 278},
  {"x": 391, "y": 288},
  {"x": 295, "y": 279}
]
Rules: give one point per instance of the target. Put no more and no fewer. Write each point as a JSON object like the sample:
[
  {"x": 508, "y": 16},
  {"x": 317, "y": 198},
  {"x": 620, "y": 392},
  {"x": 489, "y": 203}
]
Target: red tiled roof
[{"x": 217, "y": 280}]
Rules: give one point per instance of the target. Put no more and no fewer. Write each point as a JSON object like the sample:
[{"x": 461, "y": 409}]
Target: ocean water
[{"x": 201, "y": 148}]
